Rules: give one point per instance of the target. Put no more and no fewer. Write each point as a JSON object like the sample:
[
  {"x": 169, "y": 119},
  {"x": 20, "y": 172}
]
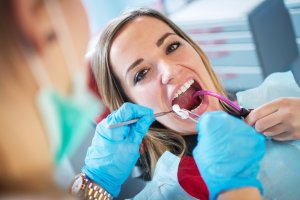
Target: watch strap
[{"x": 88, "y": 189}]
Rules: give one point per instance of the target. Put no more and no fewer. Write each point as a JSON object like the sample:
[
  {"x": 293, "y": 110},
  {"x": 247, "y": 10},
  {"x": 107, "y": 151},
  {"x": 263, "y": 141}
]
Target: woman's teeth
[{"x": 183, "y": 88}]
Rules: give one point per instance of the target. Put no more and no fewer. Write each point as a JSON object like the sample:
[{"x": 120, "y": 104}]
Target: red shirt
[{"x": 190, "y": 179}]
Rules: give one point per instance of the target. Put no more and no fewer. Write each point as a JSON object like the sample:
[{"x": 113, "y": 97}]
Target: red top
[{"x": 190, "y": 179}]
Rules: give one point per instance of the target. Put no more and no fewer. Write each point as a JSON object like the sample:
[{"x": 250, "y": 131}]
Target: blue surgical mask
[{"x": 67, "y": 119}]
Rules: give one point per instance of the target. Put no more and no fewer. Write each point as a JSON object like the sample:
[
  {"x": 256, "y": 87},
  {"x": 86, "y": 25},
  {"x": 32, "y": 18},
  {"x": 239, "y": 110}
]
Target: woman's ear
[{"x": 33, "y": 23}]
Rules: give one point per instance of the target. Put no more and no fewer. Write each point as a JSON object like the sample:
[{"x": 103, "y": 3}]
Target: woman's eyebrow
[
  {"x": 161, "y": 40},
  {"x": 133, "y": 65}
]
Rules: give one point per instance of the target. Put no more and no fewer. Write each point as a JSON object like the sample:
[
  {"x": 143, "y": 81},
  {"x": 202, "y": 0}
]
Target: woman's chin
[{"x": 184, "y": 127}]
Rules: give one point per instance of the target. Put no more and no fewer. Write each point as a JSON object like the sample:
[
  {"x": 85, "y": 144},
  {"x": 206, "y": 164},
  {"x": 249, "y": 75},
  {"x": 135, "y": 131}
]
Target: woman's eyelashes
[
  {"x": 140, "y": 75},
  {"x": 172, "y": 47}
]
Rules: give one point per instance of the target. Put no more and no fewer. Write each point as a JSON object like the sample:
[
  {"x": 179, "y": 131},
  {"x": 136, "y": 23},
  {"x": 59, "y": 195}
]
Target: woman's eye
[
  {"x": 140, "y": 75},
  {"x": 172, "y": 47}
]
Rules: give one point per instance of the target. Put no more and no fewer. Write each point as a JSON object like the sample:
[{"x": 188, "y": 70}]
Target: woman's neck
[{"x": 191, "y": 142}]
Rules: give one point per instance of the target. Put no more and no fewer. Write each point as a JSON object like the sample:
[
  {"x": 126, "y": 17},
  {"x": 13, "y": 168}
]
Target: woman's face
[{"x": 158, "y": 69}]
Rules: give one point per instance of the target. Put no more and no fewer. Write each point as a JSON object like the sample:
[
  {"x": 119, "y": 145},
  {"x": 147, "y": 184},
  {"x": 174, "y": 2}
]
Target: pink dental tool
[{"x": 240, "y": 112}]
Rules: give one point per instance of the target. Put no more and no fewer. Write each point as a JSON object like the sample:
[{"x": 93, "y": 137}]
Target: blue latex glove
[
  {"x": 228, "y": 152},
  {"x": 114, "y": 152}
]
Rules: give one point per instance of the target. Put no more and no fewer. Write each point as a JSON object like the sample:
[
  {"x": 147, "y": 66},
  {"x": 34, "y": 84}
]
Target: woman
[
  {"x": 42, "y": 72},
  {"x": 144, "y": 58}
]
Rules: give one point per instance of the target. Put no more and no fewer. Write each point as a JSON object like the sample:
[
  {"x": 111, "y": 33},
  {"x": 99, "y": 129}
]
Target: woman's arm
[{"x": 246, "y": 193}]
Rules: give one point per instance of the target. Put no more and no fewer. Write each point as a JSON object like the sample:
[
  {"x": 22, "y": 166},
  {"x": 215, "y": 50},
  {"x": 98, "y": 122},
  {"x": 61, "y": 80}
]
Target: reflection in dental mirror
[{"x": 181, "y": 113}]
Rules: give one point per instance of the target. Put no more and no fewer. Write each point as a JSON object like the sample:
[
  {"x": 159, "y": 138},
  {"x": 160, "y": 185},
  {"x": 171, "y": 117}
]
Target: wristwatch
[{"x": 84, "y": 188}]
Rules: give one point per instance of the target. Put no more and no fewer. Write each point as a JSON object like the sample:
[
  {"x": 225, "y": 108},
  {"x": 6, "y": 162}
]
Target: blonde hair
[{"x": 159, "y": 138}]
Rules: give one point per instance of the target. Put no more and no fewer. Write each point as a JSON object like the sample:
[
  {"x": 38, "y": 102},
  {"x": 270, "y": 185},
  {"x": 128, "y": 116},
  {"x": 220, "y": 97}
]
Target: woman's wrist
[
  {"x": 241, "y": 193},
  {"x": 84, "y": 188}
]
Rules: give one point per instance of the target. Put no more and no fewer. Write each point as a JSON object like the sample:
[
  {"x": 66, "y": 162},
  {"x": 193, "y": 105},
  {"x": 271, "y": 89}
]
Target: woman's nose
[{"x": 169, "y": 71}]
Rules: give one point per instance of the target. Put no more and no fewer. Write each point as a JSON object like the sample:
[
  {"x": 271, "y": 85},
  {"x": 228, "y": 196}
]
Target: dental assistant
[{"x": 45, "y": 106}]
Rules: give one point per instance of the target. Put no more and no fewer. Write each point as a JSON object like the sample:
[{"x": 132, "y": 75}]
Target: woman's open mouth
[{"x": 184, "y": 96}]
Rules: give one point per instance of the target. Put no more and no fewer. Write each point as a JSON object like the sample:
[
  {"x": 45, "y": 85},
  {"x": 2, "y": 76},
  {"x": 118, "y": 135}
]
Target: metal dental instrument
[
  {"x": 188, "y": 116},
  {"x": 184, "y": 113},
  {"x": 137, "y": 119},
  {"x": 241, "y": 112},
  {"x": 191, "y": 113}
]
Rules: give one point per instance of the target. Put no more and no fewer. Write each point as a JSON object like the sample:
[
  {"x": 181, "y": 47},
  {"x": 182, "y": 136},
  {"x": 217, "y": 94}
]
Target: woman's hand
[
  {"x": 279, "y": 119},
  {"x": 228, "y": 152},
  {"x": 114, "y": 152}
]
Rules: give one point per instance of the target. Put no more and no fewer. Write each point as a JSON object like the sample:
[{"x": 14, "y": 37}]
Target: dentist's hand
[
  {"x": 228, "y": 152},
  {"x": 279, "y": 119},
  {"x": 114, "y": 152}
]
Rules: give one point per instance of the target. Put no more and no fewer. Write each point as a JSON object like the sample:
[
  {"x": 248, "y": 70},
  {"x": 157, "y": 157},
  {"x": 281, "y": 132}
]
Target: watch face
[{"x": 77, "y": 185}]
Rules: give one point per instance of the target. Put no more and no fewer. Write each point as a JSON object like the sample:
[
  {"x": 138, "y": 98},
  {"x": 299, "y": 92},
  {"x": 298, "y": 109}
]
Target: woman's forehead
[
  {"x": 144, "y": 26},
  {"x": 142, "y": 32},
  {"x": 145, "y": 20}
]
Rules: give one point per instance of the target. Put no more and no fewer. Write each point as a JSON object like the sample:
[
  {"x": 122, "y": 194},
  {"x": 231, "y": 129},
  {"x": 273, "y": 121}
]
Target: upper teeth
[{"x": 183, "y": 88}]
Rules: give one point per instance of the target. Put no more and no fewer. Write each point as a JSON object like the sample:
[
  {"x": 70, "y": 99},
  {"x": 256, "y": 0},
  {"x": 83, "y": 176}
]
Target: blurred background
[{"x": 245, "y": 40}]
